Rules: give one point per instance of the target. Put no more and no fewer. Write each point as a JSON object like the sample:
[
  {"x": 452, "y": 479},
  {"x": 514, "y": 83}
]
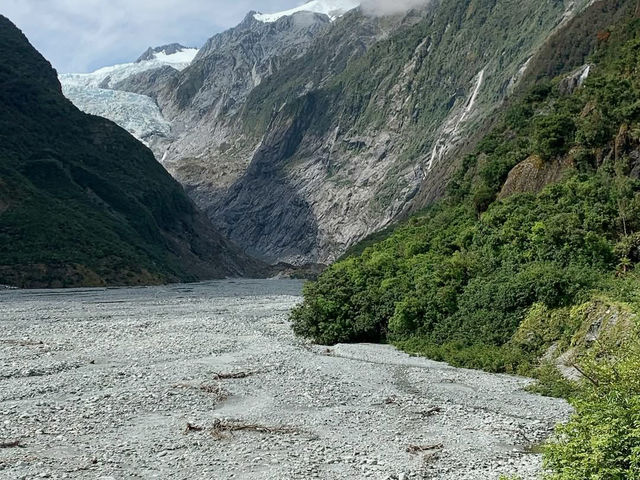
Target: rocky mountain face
[
  {"x": 300, "y": 134},
  {"x": 153, "y": 53},
  {"x": 82, "y": 202},
  {"x": 205, "y": 100}
]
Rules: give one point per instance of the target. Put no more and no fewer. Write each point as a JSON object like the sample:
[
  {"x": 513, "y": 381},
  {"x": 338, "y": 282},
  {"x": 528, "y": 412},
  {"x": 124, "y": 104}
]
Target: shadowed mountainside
[{"x": 84, "y": 203}]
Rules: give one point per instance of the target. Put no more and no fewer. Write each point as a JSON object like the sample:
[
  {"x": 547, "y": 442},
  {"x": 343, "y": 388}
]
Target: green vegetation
[
  {"x": 602, "y": 439},
  {"x": 81, "y": 201},
  {"x": 524, "y": 282},
  {"x": 467, "y": 271},
  {"x": 357, "y": 77}
]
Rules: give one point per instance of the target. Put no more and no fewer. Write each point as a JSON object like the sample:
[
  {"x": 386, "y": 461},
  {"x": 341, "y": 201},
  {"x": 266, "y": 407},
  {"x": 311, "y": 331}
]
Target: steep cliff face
[
  {"x": 389, "y": 104},
  {"x": 81, "y": 201},
  {"x": 268, "y": 213},
  {"x": 211, "y": 150},
  {"x": 384, "y": 122}
]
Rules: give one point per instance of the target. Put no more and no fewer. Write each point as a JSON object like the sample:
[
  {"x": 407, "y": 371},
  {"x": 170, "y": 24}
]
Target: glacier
[
  {"x": 138, "y": 114},
  {"x": 93, "y": 93}
]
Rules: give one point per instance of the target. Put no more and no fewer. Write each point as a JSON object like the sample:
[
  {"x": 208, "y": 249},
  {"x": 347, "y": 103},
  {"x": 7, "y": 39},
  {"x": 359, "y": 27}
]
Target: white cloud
[
  {"x": 390, "y": 7},
  {"x": 82, "y": 35}
]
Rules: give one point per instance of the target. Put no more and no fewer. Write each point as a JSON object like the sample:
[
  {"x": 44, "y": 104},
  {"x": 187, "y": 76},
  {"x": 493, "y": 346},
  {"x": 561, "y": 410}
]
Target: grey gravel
[{"x": 102, "y": 384}]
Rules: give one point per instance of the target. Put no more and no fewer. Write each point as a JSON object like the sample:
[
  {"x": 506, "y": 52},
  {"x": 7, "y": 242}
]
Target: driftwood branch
[
  {"x": 220, "y": 393},
  {"x": 193, "y": 428},
  {"x": 584, "y": 374},
  {"x": 233, "y": 375},
  {"x": 220, "y": 427},
  {"x": 424, "y": 448},
  {"x": 431, "y": 411},
  {"x": 12, "y": 444}
]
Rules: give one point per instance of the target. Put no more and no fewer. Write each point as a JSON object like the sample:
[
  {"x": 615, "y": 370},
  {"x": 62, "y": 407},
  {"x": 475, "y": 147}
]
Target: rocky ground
[{"x": 126, "y": 383}]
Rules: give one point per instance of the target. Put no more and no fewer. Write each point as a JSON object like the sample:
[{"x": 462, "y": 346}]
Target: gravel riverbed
[{"x": 125, "y": 383}]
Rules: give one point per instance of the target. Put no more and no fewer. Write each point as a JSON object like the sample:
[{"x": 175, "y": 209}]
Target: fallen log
[{"x": 424, "y": 448}]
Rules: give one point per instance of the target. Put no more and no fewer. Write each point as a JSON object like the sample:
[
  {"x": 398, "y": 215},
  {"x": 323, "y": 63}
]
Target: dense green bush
[
  {"x": 459, "y": 279},
  {"x": 602, "y": 439},
  {"x": 451, "y": 277}
]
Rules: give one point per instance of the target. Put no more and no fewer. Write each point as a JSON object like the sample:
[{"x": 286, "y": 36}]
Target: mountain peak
[
  {"x": 170, "y": 50},
  {"x": 332, "y": 8}
]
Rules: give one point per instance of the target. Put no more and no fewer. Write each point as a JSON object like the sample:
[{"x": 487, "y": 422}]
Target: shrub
[{"x": 602, "y": 439}]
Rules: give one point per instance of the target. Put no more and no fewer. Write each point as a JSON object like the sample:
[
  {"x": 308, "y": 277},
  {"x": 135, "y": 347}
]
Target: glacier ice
[{"x": 139, "y": 114}]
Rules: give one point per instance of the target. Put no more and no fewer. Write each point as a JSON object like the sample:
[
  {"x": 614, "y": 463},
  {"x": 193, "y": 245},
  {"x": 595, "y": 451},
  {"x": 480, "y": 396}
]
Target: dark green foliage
[
  {"x": 553, "y": 135},
  {"x": 81, "y": 201},
  {"x": 602, "y": 439},
  {"x": 462, "y": 276},
  {"x": 569, "y": 47}
]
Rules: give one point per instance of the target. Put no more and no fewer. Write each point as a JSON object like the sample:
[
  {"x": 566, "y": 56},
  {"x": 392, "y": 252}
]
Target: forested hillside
[
  {"x": 82, "y": 203},
  {"x": 528, "y": 265}
]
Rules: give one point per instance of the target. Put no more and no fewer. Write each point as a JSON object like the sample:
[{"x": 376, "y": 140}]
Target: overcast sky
[{"x": 83, "y": 35}]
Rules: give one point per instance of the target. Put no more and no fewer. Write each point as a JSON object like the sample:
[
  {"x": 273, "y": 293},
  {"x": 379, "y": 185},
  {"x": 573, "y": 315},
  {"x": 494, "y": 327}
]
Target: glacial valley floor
[{"x": 134, "y": 383}]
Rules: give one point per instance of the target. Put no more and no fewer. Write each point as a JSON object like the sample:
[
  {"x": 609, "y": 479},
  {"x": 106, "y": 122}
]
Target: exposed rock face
[
  {"x": 604, "y": 327},
  {"x": 203, "y": 101},
  {"x": 152, "y": 53},
  {"x": 533, "y": 174},
  {"x": 383, "y": 125},
  {"x": 300, "y": 136},
  {"x": 574, "y": 80}
]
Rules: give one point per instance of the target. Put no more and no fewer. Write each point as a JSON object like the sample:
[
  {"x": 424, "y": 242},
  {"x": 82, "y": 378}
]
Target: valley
[
  {"x": 460, "y": 178},
  {"x": 103, "y": 383},
  {"x": 301, "y": 132}
]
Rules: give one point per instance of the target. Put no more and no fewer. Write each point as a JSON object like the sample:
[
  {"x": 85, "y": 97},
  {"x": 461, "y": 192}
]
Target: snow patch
[
  {"x": 332, "y": 8},
  {"x": 179, "y": 60},
  {"x": 107, "y": 77}
]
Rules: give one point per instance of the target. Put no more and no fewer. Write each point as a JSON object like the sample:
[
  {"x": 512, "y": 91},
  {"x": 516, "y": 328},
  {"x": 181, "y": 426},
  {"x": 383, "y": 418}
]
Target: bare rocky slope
[{"x": 301, "y": 136}]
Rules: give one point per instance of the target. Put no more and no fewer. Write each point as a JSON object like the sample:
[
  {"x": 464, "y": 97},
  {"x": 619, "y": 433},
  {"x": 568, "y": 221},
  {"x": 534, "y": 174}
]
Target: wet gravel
[{"x": 124, "y": 383}]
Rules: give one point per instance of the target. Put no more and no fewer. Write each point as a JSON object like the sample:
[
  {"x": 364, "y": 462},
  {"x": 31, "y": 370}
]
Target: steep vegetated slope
[
  {"x": 543, "y": 210},
  {"x": 84, "y": 203},
  {"x": 529, "y": 263}
]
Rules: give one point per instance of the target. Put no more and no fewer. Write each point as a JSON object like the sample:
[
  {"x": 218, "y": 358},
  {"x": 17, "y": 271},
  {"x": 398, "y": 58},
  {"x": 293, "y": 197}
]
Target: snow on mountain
[
  {"x": 108, "y": 76},
  {"x": 92, "y": 92},
  {"x": 332, "y": 8}
]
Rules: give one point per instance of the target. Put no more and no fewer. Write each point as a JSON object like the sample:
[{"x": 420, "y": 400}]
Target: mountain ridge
[{"x": 388, "y": 137}]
